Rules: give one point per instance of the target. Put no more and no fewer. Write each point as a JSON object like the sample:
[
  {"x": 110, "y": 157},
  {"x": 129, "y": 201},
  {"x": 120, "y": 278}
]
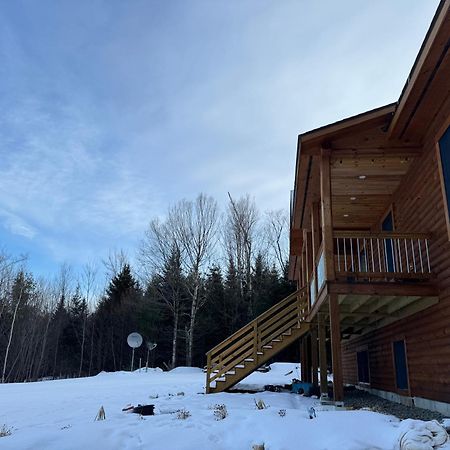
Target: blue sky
[{"x": 111, "y": 110}]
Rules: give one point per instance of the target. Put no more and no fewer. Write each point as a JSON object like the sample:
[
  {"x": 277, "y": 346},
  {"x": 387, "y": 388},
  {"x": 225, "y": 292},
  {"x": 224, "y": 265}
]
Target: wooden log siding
[{"x": 418, "y": 205}]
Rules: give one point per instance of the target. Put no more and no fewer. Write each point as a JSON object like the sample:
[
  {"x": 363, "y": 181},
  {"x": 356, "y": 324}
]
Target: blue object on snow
[{"x": 300, "y": 387}]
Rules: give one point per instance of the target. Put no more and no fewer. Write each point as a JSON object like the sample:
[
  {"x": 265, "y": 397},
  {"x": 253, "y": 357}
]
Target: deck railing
[{"x": 386, "y": 255}]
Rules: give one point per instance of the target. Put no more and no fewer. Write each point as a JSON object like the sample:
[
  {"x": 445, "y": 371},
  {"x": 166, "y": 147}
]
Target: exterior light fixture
[
  {"x": 345, "y": 215},
  {"x": 362, "y": 177},
  {"x": 352, "y": 198}
]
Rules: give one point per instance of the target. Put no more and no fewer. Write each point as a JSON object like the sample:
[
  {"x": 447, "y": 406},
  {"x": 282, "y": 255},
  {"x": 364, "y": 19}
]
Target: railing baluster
[
  {"x": 351, "y": 250},
  {"x": 428, "y": 256},
  {"x": 420, "y": 254},
  {"x": 413, "y": 255},
  {"x": 371, "y": 254},
  {"x": 399, "y": 255},
  {"x": 338, "y": 255},
  {"x": 385, "y": 255},
  {"x": 406, "y": 253},
  {"x": 359, "y": 255},
  {"x": 345, "y": 257},
  {"x": 380, "y": 268},
  {"x": 365, "y": 255},
  {"x": 393, "y": 254}
]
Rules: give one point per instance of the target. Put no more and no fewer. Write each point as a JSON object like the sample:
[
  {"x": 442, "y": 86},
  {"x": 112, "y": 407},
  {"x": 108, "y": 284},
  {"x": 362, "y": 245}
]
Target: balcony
[
  {"x": 384, "y": 256},
  {"x": 371, "y": 265}
]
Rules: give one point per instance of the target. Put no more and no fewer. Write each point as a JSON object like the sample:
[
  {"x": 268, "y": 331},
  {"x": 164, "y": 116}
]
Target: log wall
[{"x": 418, "y": 206}]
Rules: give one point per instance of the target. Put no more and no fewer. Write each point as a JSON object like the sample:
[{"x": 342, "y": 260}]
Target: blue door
[
  {"x": 388, "y": 225},
  {"x": 401, "y": 369}
]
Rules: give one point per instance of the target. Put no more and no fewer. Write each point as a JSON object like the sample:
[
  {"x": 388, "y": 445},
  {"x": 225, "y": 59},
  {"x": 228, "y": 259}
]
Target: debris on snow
[{"x": 101, "y": 414}]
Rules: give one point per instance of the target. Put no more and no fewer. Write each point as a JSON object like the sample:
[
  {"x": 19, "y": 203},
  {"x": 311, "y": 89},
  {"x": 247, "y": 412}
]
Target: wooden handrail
[
  {"x": 379, "y": 235},
  {"x": 249, "y": 326}
]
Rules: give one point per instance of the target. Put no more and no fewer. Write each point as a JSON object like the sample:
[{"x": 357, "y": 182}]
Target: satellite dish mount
[
  {"x": 150, "y": 346},
  {"x": 134, "y": 340}
]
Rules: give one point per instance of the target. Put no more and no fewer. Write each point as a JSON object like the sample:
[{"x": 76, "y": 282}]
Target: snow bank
[{"x": 187, "y": 370}]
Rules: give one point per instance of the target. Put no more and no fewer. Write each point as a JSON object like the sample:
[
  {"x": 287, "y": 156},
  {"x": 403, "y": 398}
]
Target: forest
[{"x": 197, "y": 275}]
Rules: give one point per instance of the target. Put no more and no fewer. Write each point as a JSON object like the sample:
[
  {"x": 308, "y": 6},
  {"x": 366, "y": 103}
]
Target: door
[
  {"x": 401, "y": 367},
  {"x": 388, "y": 225},
  {"x": 362, "y": 359}
]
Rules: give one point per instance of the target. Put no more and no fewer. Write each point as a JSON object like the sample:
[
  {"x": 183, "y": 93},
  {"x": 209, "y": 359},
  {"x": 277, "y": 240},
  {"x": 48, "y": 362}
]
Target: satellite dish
[
  {"x": 151, "y": 345},
  {"x": 134, "y": 340}
]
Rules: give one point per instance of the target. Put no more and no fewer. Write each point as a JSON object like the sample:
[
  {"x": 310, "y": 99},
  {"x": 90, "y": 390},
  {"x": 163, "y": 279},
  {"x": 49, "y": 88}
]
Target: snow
[
  {"x": 59, "y": 415},
  {"x": 280, "y": 374}
]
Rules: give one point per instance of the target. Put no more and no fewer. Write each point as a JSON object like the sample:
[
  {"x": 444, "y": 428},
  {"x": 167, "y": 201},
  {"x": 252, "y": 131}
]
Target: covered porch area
[{"x": 363, "y": 265}]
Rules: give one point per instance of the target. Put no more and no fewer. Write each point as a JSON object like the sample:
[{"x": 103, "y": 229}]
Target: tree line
[{"x": 199, "y": 275}]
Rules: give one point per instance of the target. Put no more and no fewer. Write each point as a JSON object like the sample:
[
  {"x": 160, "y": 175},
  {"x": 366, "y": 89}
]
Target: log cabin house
[{"x": 369, "y": 249}]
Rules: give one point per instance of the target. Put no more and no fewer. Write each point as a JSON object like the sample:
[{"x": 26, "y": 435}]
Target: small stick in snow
[{"x": 101, "y": 414}]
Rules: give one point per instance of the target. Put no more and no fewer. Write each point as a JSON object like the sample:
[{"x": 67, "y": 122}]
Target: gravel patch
[{"x": 359, "y": 399}]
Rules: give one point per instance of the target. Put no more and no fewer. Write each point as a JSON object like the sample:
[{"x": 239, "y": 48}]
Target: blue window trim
[{"x": 444, "y": 154}]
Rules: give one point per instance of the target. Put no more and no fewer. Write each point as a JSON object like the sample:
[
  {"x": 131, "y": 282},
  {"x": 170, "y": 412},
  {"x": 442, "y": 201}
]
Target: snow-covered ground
[{"x": 59, "y": 415}]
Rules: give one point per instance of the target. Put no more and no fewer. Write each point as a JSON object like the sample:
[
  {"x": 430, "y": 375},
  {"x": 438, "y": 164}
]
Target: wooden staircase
[{"x": 255, "y": 343}]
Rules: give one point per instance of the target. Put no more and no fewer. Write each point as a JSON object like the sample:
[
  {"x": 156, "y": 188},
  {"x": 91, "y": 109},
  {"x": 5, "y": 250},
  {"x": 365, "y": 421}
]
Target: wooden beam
[
  {"x": 376, "y": 152},
  {"x": 307, "y": 359},
  {"x": 307, "y": 256},
  {"x": 336, "y": 355},
  {"x": 303, "y": 359},
  {"x": 314, "y": 355},
  {"x": 381, "y": 289},
  {"x": 327, "y": 216},
  {"x": 322, "y": 355},
  {"x": 315, "y": 237},
  {"x": 315, "y": 228}
]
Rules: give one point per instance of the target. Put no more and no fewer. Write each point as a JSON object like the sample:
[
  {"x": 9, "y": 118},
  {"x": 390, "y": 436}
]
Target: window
[
  {"x": 362, "y": 359},
  {"x": 401, "y": 369},
  {"x": 444, "y": 153}
]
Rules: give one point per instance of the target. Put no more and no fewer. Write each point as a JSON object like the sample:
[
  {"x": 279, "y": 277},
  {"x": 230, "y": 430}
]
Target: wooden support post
[
  {"x": 327, "y": 217},
  {"x": 322, "y": 355},
  {"x": 306, "y": 257},
  {"x": 314, "y": 354},
  {"x": 255, "y": 343},
  {"x": 315, "y": 228},
  {"x": 309, "y": 262},
  {"x": 315, "y": 239},
  {"x": 303, "y": 362},
  {"x": 335, "y": 328},
  {"x": 302, "y": 270},
  {"x": 308, "y": 358},
  {"x": 208, "y": 372}
]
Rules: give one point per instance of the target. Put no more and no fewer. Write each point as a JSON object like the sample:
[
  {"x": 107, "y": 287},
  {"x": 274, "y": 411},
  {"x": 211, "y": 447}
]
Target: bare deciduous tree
[
  {"x": 240, "y": 240},
  {"x": 276, "y": 231},
  {"x": 115, "y": 262},
  {"x": 194, "y": 227},
  {"x": 88, "y": 279},
  {"x": 159, "y": 254}
]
